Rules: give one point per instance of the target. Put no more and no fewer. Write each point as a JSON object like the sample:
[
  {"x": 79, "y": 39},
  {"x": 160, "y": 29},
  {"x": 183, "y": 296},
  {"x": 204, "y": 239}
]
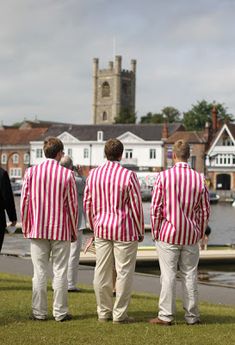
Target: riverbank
[
  {"x": 16, "y": 245},
  {"x": 142, "y": 282}
]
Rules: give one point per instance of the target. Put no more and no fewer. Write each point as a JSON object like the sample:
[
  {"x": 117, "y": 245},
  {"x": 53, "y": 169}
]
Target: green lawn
[{"x": 16, "y": 328}]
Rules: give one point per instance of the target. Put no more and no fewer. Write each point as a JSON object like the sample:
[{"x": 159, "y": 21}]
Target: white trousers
[
  {"x": 40, "y": 254},
  {"x": 123, "y": 256},
  {"x": 75, "y": 249},
  {"x": 185, "y": 257}
]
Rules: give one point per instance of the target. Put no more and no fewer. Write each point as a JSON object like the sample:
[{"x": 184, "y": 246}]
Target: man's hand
[
  {"x": 141, "y": 238},
  {"x": 73, "y": 237},
  {"x": 13, "y": 223}
]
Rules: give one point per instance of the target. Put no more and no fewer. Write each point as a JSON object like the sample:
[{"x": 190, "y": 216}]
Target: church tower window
[
  {"x": 105, "y": 116},
  {"x": 105, "y": 89}
]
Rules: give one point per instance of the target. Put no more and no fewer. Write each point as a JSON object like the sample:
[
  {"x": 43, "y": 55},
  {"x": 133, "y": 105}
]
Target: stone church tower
[{"x": 113, "y": 90}]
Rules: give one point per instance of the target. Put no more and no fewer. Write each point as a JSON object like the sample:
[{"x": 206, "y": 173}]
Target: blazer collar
[{"x": 182, "y": 165}]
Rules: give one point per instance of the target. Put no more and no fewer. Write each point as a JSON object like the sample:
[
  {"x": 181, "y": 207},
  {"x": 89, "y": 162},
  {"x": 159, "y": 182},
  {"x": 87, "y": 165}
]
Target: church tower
[{"x": 113, "y": 90}]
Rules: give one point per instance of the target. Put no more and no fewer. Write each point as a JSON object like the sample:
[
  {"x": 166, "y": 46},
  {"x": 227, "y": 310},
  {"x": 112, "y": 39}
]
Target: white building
[
  {"x": 143, "y": 143},
  {"x": 220, "y": 160}
]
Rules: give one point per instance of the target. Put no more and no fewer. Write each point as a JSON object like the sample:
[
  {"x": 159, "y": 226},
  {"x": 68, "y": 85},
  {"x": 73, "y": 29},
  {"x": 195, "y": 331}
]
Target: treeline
[{"x": 194, "y": 119}]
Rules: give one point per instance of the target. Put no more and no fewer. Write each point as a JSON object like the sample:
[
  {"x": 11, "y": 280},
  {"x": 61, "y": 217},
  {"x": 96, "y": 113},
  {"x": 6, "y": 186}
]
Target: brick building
[
  {"x": 198, "y": 141},
  {"x": 15, "y": 148}
]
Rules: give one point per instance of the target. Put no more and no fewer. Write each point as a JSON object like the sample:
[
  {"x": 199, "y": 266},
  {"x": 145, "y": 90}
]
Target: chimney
[
  {"x": 207, "y": 131},
  {"x": 165, "y": 132},
  {"x": 214, "y": 119}
]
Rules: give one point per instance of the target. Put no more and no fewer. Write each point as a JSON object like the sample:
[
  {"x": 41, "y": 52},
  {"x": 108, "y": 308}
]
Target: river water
[{"x": 222, "y": 223}]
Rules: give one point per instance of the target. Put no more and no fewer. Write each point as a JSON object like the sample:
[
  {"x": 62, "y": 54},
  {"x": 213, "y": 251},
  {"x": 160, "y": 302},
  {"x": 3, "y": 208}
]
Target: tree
[
  {"x": 125, "y": 116},
  {"x": 196, "y": 118},
  {"x": 170, "y": 114},
  {"x": 151, "y": 118}
]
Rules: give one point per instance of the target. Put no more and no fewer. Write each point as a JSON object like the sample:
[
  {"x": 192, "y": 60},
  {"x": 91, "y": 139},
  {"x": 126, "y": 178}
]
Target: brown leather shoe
[{"x": 160, "y": 322}]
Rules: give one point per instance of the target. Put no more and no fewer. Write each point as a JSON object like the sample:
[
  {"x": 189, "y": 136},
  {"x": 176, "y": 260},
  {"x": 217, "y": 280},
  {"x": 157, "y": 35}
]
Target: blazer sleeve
[
  {"x": 136, "y": 203},
  {"x": 87, "y": 203},
  {"x": 24, "y": 204},
  {"x": 8, "y": 197},
  {"x": 156, "y": 209},
  {"x": 204, "y": 210},
  {"x": 73, "y": 205}
]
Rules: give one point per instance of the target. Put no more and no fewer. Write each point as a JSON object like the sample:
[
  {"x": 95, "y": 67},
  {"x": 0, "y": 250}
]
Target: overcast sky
[{"x": 184, "y": 49}]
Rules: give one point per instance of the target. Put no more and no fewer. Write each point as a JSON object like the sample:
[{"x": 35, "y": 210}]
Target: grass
[{"x": 16, "y": 328}]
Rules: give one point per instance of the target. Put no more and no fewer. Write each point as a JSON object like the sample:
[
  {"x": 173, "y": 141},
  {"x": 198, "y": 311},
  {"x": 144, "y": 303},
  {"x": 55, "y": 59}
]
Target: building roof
[
  {"x": 38, "y": 124},
  {"x": 15, "y": 136},
  {"x": 147, "y": 132},
  {"x": 193, "y": 137},
  {"x": 231, "y": 127}
]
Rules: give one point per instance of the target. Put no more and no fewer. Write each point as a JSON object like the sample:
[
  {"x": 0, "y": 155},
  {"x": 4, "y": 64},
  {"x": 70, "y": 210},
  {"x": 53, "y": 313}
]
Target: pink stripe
[
  {"x": 47, "y": 190},
  {"x": 111, "y": 199},
  {"x": 181, "y": 215}
]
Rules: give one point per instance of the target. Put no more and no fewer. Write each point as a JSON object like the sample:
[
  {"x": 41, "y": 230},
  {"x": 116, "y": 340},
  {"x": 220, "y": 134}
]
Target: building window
[
  {"x": 4, "y": 158},
  {"x": 15, "y": 158},
  {"x": 105, "y": 116},
  {"x": 193, "y": 162},
  {"x": 15, "y": 173},
  {"x": 152, "y": 153},
  {"x": 125, "y": 88},
  {"x": 128, "y": 153},
  {"x": 86, "y": 153},
  {"x": 105, "y": 89},
  {"x": 38, "y": 153},
  {"x": 100, "y": 135},
  {"x": 70, "y": 153},
  {"x": 225, "y": 160},
  {"x": 26, "y": 158}
]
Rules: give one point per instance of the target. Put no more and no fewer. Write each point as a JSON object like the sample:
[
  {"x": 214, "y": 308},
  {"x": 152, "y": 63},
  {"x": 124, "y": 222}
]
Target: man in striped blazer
[
  {"x": 179, "y": 215},
  {"x": 112, "y": 202},
  {"x": 49, "y": 213}
]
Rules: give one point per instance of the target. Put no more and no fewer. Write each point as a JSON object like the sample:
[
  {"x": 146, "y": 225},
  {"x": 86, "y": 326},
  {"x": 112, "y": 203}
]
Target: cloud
[{"x": 184, "y": 53}]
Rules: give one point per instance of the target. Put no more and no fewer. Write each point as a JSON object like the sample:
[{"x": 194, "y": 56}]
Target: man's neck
[{"x": 179, "y": 161}]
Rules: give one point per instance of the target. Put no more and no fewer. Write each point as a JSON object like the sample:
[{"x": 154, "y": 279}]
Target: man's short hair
[
  {"x": 52, "y": 146},
  {"x": 66, "y": 162},
  {"x": 113, "y": 149},
  {"x": 181, "y": 149}
]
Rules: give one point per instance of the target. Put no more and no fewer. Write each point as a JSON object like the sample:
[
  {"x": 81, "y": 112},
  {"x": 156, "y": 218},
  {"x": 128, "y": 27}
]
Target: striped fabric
[
  {"x": 180, "y": 206},
  {"x": 49, "y": 206},
  {"x": 112, "y": 203}
]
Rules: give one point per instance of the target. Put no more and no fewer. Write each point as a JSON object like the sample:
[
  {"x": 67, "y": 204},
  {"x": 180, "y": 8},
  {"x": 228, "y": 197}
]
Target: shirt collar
[{"x": 182, "y": 165}]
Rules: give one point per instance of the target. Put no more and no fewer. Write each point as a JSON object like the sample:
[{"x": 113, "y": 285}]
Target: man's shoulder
[{"x": 2, "y": 171}]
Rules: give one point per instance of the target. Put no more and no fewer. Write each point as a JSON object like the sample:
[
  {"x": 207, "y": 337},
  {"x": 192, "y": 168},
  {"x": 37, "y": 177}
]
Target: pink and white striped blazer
[
  {"x": 180, "y": 206},
  {"x": 112, "y": 202},
  {"x": 49, "y": 204}
]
